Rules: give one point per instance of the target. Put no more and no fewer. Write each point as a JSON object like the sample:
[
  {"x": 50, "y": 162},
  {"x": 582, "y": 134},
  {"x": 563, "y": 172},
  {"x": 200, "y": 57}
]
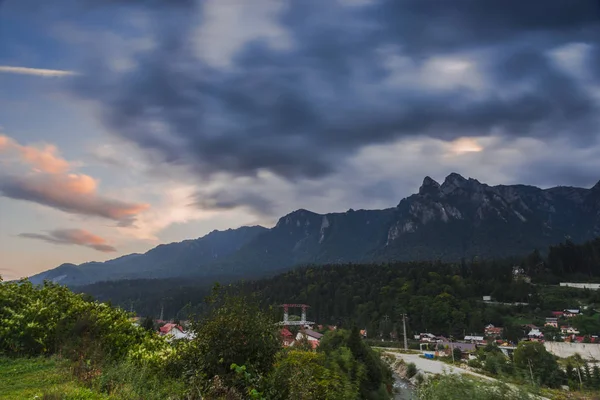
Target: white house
[
  {"x": 535, "y": 334},
  {"x": 568, "y": 330},
  {"x": 310, "y": 335},
  {"x": 427, "y": 337},
  {"x": 474, "y": 338}
]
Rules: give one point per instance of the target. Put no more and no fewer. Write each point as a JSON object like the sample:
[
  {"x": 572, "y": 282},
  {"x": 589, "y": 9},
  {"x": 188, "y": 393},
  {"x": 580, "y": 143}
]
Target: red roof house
[
  {"x": 167, "y": 328},
  {"x": 287, "y": 337}
]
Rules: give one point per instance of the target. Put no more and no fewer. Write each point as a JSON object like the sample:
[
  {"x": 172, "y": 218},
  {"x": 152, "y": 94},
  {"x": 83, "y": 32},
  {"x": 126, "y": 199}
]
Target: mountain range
[{"x": 461, "y": 218}]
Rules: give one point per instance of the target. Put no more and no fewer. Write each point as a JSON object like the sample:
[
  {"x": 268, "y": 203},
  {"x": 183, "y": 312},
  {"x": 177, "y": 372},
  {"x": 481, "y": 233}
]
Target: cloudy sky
[{"x": 124, "y": 124}]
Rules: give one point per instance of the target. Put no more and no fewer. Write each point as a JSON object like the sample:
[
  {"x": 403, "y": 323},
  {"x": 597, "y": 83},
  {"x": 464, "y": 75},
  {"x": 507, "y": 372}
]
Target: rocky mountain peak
[
  {"x": 299, "y": 218},
  {"x": 452, "y": 182},
  {"x": 429, "y": 187}
]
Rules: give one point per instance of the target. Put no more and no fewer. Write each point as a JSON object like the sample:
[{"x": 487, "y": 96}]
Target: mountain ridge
[{"x": 459, "y": 218}]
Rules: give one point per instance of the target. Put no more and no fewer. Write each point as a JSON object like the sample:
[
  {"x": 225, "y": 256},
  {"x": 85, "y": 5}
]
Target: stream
[{"x": 403, "y": 390}]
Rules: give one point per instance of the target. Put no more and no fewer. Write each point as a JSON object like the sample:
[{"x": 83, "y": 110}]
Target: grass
[
  {"x": 49, "y": 378},
  {"x": 40, "y": 378}
]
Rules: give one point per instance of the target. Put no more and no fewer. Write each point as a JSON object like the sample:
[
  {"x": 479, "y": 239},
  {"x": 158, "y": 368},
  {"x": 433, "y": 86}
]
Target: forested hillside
[{"x": 446, "y": 296}]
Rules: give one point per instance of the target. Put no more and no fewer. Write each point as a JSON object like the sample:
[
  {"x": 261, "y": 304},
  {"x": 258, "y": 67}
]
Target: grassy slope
[{"x": 42, "y": 378}]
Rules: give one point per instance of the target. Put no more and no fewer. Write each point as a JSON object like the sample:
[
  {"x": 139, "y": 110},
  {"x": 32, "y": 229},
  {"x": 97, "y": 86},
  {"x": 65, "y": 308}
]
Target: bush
[
  {"x": 50, "y": 318},
  {"x": 411, "y": 370},
  {"x": 474, "y": 363},
  {"x": 452, "y": 386}
]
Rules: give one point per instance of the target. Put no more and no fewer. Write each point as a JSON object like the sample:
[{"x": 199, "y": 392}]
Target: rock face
[{"x": 459, "y": 218}]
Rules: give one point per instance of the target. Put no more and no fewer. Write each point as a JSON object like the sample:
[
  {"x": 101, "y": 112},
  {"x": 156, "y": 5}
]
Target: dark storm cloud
[
  {"x": 78, "y": 237},
  {"x": 231, "y": 199},
  {"x": 299, "y": 111}
]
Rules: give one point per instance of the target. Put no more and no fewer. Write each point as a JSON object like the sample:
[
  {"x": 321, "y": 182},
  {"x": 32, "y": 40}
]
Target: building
[
  {"x": 591, "y": 286},
  {"x": 551, "y": 322},
  {"x": 487, "y": 298},
  {"x": 363, "y": 333},
  {"x": 493, "y": 331},
  {"x": 474, "y": 338},
  {"x": 427, "y": 337},
  {"x": 572, "y": 312},
  {"x": 287, "y": 338},
  {"x": 174, "y": 332},
  {"x": 568, "y": 330},
  {"x": 310, "y": 335},
  {"x": 557, "y": 314},
  {"x": 535, "y": 335}
]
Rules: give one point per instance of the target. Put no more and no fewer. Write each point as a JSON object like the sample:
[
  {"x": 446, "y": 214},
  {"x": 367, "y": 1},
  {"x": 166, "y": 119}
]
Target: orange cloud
[
  {"x": 45, "y": 159},
  {"x": 465, "y": 145},
  {"x": 78, "y": 237},
  {"x": 51, "y": 183},
  {"x": 70, "y": 193}
]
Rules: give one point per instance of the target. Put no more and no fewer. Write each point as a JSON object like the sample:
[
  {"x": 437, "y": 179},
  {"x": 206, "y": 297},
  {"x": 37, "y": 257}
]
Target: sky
[{"x": 125, "y": 124}]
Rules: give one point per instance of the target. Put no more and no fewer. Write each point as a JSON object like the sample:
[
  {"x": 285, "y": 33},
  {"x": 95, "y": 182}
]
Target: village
[{"x": 297, "y": 330}]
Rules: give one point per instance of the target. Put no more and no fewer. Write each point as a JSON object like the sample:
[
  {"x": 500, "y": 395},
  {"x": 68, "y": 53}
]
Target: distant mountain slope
[
  {"x": 162, "y": 261},
  {"x": 459, "y": 218}
]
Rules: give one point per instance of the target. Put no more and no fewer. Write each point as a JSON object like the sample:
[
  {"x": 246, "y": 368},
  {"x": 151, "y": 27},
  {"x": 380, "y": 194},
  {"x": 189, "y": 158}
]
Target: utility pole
[{"x": 404, "y": 329}]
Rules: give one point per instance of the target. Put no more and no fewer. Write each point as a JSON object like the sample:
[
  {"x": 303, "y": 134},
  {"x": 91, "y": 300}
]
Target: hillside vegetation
[
  {"x": 442, "y": 297},
  {"x": 96, "y": 352}
]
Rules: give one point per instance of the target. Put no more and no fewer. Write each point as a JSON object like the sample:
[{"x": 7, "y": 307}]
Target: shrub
[
  {"x": 453, "y": 386},
  {"x": 411, "y": 370}
]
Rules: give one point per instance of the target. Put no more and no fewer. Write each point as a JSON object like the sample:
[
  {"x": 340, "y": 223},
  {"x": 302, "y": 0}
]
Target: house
[
  {"x": 448, "y": 347},
  {"x": 551, "y": 322},
  {"x": 310, "y": 335},
  {"x": 427, "y": 337},
  {"x": 487, "y": 298},
  {"x": 174, "y": 332},
  {"x": 535, "y": 334},
  {"x": 363, "y": 333},
  {"x": 493, "y": 331},
  {"x": 568, "y": 330},
  {"x": 287, "y": 338},
  {"x": 573, "y": 312},
  {"x": 557, "y": 314},
  {"x": 474, "y": 338}
]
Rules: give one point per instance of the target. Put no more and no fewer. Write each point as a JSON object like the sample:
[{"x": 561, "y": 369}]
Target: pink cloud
[
  {"x": 78, "y": 237},
  {"x": 50, "y": 183},
  {"x": 45, "y": 159}
]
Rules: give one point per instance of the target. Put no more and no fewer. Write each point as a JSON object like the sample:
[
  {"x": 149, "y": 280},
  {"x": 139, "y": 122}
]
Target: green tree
[
  {"x": 235, "y": 332},
  {"x": 303, "y": 375},
  {"x": 536, "y": 362},
  {"x": 148, "y": 323},
  {"x": 596, "y": 377}
]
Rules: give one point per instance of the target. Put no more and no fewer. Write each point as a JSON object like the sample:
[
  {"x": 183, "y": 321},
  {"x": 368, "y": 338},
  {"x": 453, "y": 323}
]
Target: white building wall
[
  {"x": 589, "y": 351},
  {"x": 592, "y": 286}
]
